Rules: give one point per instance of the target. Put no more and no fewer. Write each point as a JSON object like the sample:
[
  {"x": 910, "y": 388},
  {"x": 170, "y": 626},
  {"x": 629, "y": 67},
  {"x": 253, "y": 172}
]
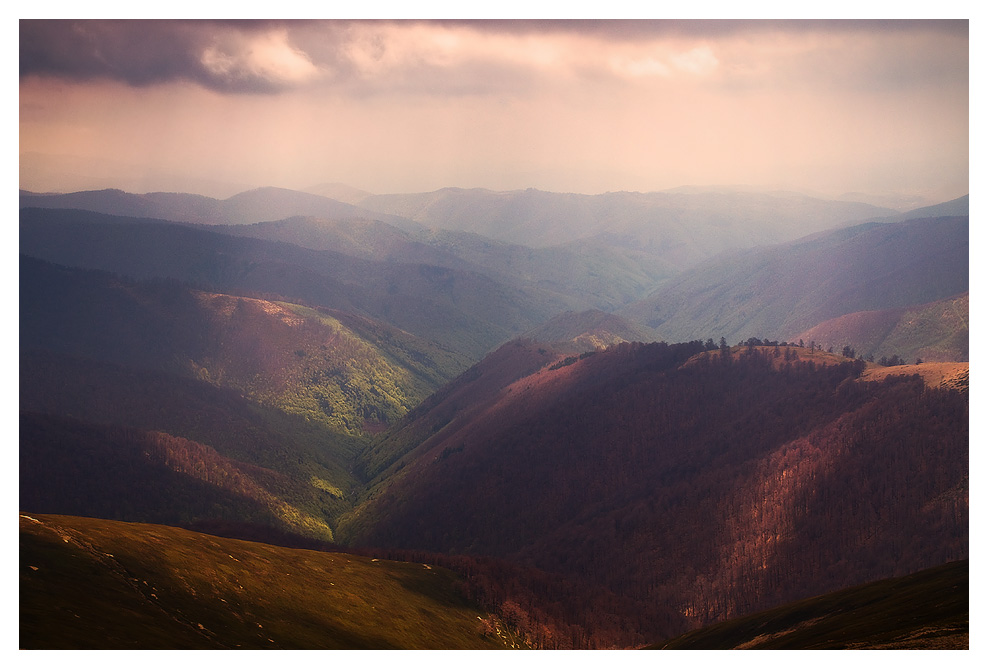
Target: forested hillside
[{"x": 701, "y": 491}]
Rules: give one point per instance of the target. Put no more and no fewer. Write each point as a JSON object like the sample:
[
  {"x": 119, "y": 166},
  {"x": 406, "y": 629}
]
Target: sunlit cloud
[{"x": 267, "y": 57}]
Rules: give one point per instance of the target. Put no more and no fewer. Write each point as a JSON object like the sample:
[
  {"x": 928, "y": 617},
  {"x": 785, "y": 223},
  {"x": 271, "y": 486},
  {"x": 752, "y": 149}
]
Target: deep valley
[{"x": 605, "y": 435}]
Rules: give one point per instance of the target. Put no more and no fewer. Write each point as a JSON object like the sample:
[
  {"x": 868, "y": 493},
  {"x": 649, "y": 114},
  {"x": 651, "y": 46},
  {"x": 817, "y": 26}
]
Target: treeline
[{"x": 846, "y": 351}]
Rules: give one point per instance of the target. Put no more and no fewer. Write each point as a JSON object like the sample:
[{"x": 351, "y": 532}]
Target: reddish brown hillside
[
  {"x": 456, "y": 403},
  {"x": 702, "y": 491},
  {"x": 71, "y": 466}
]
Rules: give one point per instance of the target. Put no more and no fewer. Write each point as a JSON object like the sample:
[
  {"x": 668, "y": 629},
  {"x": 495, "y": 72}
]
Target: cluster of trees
[{"x": 847, "y": 351}]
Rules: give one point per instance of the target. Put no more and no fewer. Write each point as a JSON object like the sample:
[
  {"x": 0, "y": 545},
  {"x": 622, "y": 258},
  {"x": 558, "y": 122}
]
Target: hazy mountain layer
[
  {"x": 610, "y": 248},
  {"x": 781, "y": 291},
  {"x": 465, "y": 312},
  {"x": 253, "y": 206},
  {"x": 682, "y": 227},
  {"x": 591, "y": 274}
]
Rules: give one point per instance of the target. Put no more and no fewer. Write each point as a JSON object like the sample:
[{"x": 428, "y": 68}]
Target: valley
[{"x": 480, "y": 419}]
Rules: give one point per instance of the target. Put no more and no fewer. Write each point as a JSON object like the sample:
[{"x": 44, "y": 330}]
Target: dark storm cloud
[
  {"x": 366, "y": 57},
  {"x": 140, "y": 53}
]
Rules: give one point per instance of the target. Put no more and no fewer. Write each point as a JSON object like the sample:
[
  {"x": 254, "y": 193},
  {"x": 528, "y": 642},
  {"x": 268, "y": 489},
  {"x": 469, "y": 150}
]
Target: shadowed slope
[{"x": 928, "y": 610}]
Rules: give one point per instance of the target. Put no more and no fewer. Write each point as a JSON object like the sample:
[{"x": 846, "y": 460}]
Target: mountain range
[{"x": 613, "y": 419}]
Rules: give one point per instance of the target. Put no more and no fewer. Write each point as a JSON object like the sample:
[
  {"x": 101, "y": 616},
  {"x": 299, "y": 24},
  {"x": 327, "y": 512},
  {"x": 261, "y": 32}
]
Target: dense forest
[{"x": 700, "y": 491}]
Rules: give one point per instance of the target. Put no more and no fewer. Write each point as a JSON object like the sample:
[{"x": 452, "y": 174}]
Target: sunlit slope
[
  {"x": 351, "y": 378},
  {"x": 97, "y": 584},
  {"x": 113, "y": 396},
  {"x": 928, "y": 610},
  {"x": 577, "y": 332}
]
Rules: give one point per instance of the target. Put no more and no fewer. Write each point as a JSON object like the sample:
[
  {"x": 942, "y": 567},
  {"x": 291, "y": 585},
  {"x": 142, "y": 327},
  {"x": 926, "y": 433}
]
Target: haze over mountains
[{"x": 539, "y": 391}]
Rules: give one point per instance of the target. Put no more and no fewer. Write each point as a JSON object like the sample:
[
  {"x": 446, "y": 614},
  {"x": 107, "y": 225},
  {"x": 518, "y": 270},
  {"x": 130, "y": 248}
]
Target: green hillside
[
  {"x": 300, "y": 360},
  {"x": 97, "y": 584}
]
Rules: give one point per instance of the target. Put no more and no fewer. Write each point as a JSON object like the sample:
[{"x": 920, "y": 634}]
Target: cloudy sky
[{"x": 576, "y": 106}]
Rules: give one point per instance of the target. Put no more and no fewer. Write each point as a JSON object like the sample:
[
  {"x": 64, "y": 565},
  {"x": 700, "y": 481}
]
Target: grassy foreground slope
[
  {"x": 98, "y": 584},
  {"x": 928, "y": 610}
]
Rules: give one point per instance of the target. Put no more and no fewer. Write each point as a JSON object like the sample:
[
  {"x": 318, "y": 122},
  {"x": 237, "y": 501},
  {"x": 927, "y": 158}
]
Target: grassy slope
[
  {"x": 935, "y": 332},
  {"x": 927, "y": 610},
  {"x": 236, "y": 427},
  {"x": 89, "y": 583}
]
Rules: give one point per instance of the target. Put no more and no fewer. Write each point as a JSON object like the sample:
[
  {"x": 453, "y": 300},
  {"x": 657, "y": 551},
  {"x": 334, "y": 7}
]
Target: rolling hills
[
  {"x": 464, "y": 312},
  {"x": 97, "y": 584},
  {"x": 229, "y": 408},
  {"x": 471, "y": 391},
  {"x": 781, "y": 291}
]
